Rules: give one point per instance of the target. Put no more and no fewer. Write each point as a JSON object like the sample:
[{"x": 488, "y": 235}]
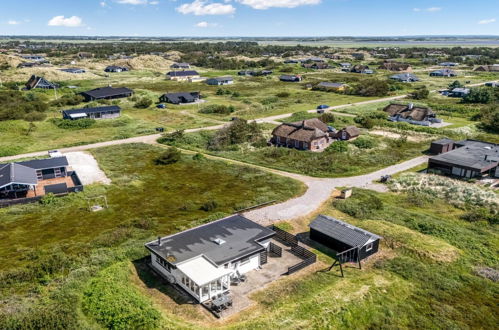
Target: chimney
[
  {"x": 411, "y": 106},
  {"x": 159, "y": 240}
]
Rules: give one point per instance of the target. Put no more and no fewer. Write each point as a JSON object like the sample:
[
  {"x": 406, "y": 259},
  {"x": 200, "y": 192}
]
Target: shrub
[
  {"x": 113, "y": 302},
  {"x": 209, "y": 206},
  {"x": 489, "y": 118},
  {"x": 171, "y": 137},
  {"x": 479, "y": 95},
  {"x": 327, "y": 118},
  {"x": 15, "y": 105},
  {"x": 238, "y": 131},
  {"x": 338, "y": 146},
  {"x": 218, "y": 109},
  {"x": 143, "y": 103},
  {"x": 283, "y": 94},
  {"x": 364, "y": 142},
  {"x": 198, "y": 157},
  {"x": 269, "y": 100},
  {"x": 170, "y": 156},
  {"x": 73, "y": 124},
  {"x": 371, "y": 87},
  {"x": 67, "y": 100},
  {"x": 420, "y": 93}
]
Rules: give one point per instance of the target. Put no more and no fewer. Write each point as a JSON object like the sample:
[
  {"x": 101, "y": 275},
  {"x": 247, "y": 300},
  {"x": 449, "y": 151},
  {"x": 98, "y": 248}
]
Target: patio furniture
[{"x": 222, "y": 302}]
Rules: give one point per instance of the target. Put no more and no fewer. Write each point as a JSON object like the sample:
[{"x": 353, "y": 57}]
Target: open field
[{"x": 48, "y": 247}]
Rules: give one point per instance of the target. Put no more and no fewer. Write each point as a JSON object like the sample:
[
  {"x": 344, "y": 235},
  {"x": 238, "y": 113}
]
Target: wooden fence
[{"x": 284, "y": 237}]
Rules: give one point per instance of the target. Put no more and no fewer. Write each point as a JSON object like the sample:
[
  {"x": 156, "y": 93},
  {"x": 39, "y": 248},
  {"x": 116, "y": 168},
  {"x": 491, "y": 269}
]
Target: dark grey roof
[
  {"x": 470, "y": 154},
  {"x": 17, "y": 173},
  {"x": 107, "y": 92},
  {"x": 73, "y": 70},
  {"x": 443, "y": 141},
  {"x": 342, "y": 231},
  {"x": 222, "y": 79},
  {"x": 41, "y": 164},
  {"x": 182, "y": 97},
  {"x": 404, "y": 77},
  {"x": 286, "y": 77},
  {"x": 92, "y": 110},
  {"x": 182, "y": 73},
  {"x": 240, "y": 236}
]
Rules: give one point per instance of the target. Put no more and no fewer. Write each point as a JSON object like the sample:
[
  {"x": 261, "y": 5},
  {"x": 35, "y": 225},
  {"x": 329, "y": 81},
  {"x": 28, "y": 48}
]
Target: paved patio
[{"x": 257, "y": 279}]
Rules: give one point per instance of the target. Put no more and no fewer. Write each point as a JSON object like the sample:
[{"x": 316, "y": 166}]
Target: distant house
[
  {"x": 340, "y": 87},
  {"x": 246, "y": 73},
  {"x": 395, "y": 66},
  {"x": 290, "y": 78},
  {"x": 404, "y": 77},
  {"x": 465, "y": 159},
  {"x": 227, "y": 80},
  {"x": 310, "y": 134},
  {"x": 449, "y": 64},
  {"x": 36, "y": 178},
  {"x": 108, "y": 112},
  {"x": 115, "y": 68},
  {"x": 411, "y": 114},
  {"x": 314, "y": 60},
  {"x": 358, "y": 56},
  {"x": 487, "y": 68},
  {"x": 204, "y": 260},
  {"x": 39, "y": 82},
  {"x": 459, "y": 92},
  {"x": 73, "y": 70},
  {"x": 291, "y": 62},
  {"x": 315, "y": 65},
  {"x": 345, "y": 65},
  {"x": 347, "y": 133},
  {"x": 443, "y": 73},
  {"x": 85, "y": 55},
  {"x": 180, "y": 98},
  {"x": 180, "y": 66},
  {"x": 341, "y": 236},
  {"x": 35, "y": 58},
  {"x": 182, "y": 75},
  {"x": 106, "y": 93},
  {"x": 359, "y": 68}
]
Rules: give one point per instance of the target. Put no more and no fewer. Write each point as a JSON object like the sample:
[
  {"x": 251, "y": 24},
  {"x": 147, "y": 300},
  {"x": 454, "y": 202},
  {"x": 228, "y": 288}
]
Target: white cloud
[
  {"x": 13, "y": 22},
  {"x": 103, "y": 4},
  {"x": 433, "y": 9},
  {"x": 154, "y": 3},
  {"x": 73, "y": 21},
  {"x": 487, "y": 21},
  {"x": 205, "y": 24},
  {"x": 266, "y": 4},
  {"x": 200, "y": 7},
  {"x": 430, "y": 9},
  {"x": 132, "y": 2}
]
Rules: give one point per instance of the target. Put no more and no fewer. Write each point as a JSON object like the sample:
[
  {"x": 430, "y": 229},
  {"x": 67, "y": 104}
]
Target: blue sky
[{"x": 249, "y": 17}]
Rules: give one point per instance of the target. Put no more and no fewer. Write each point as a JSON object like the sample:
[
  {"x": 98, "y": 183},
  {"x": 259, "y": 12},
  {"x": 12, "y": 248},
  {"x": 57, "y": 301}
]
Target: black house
[
  {"x": 106, "y": 93},
  {"x": 115, "y": 68},
  {"x": 342, "y": 237},
  {"x": 108, "y": 112},
  {"x": 180, "y": 98},
  {"x": 39, "y": 82}
]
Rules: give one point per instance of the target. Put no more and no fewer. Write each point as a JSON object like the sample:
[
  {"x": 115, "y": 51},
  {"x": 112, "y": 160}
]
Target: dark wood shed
[{"x": 351, "y": 244}]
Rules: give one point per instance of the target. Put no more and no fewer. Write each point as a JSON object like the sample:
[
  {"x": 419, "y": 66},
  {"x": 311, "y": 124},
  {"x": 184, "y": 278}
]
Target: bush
[
  {"x": 15, "y": 105},
  {"x": 114, "y": 303},
  {"x": 73, "y": 124},
  {"x": 283, "y": 94},
  {"x": 371, "y": 87},
  {"x": 361, "y": 206},
  {"x": 171, "y": 156},
  {"x": 420, "y": 93},
  {"x": 143, "y": 103},
  {"x": 489, "y": 118},
  {"x": 364, "y": 142},
  {"x": 198, "y": 157},
  {"x": 68, "y": 100},
  {"x": 209, "y": 206},
  {"x": 327, "y": 117},
  {"x": 338, "y": 146},
  {"x": 269, "y": 100},
  {"x": 171, "y": 137},
  {"x": 218, "y": 109},
  {"x": 237, "y": 132}
]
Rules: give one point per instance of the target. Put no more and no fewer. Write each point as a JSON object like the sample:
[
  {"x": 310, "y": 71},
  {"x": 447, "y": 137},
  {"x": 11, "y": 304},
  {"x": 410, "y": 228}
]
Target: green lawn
[
  {"x": 48, "y": 250},
  {"x": 329, "y": 163}
]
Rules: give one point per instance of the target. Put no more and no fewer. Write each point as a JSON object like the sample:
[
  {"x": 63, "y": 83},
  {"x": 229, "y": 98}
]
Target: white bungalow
[{"x": 203, "y": 260}]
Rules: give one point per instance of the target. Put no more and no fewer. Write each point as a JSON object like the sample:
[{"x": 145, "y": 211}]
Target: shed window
[
  {"x": 369, "y": 247},
  {"x": 244, "y": 261}
]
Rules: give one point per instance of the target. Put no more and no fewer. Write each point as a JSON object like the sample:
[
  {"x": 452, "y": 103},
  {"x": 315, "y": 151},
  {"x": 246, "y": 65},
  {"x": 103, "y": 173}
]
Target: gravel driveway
[
  {"x": 319, "y": 191},
  {"x": 87, "y": 168}
]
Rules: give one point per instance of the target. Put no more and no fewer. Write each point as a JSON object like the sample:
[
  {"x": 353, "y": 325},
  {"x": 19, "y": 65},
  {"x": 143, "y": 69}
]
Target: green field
[{"x": 50, "y": 250}]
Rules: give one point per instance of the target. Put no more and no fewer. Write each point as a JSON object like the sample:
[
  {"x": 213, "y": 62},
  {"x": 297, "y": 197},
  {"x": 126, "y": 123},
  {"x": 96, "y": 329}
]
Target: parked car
[
  {"x": 322, "y": 107},
  {"x": 161, "y": 106}
]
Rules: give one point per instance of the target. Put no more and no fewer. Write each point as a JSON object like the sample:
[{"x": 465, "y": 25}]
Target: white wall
[{"x": 254, "y": 263}]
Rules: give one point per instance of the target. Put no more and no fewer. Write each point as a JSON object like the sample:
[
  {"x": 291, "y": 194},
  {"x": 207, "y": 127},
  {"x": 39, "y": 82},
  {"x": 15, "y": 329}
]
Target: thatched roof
[
  {"x": 408, "y": 110},
  {"x": 304, "y": 130}
]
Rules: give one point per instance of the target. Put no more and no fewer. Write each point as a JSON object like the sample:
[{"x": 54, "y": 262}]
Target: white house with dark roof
[{"x": 204, "y": 259}]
